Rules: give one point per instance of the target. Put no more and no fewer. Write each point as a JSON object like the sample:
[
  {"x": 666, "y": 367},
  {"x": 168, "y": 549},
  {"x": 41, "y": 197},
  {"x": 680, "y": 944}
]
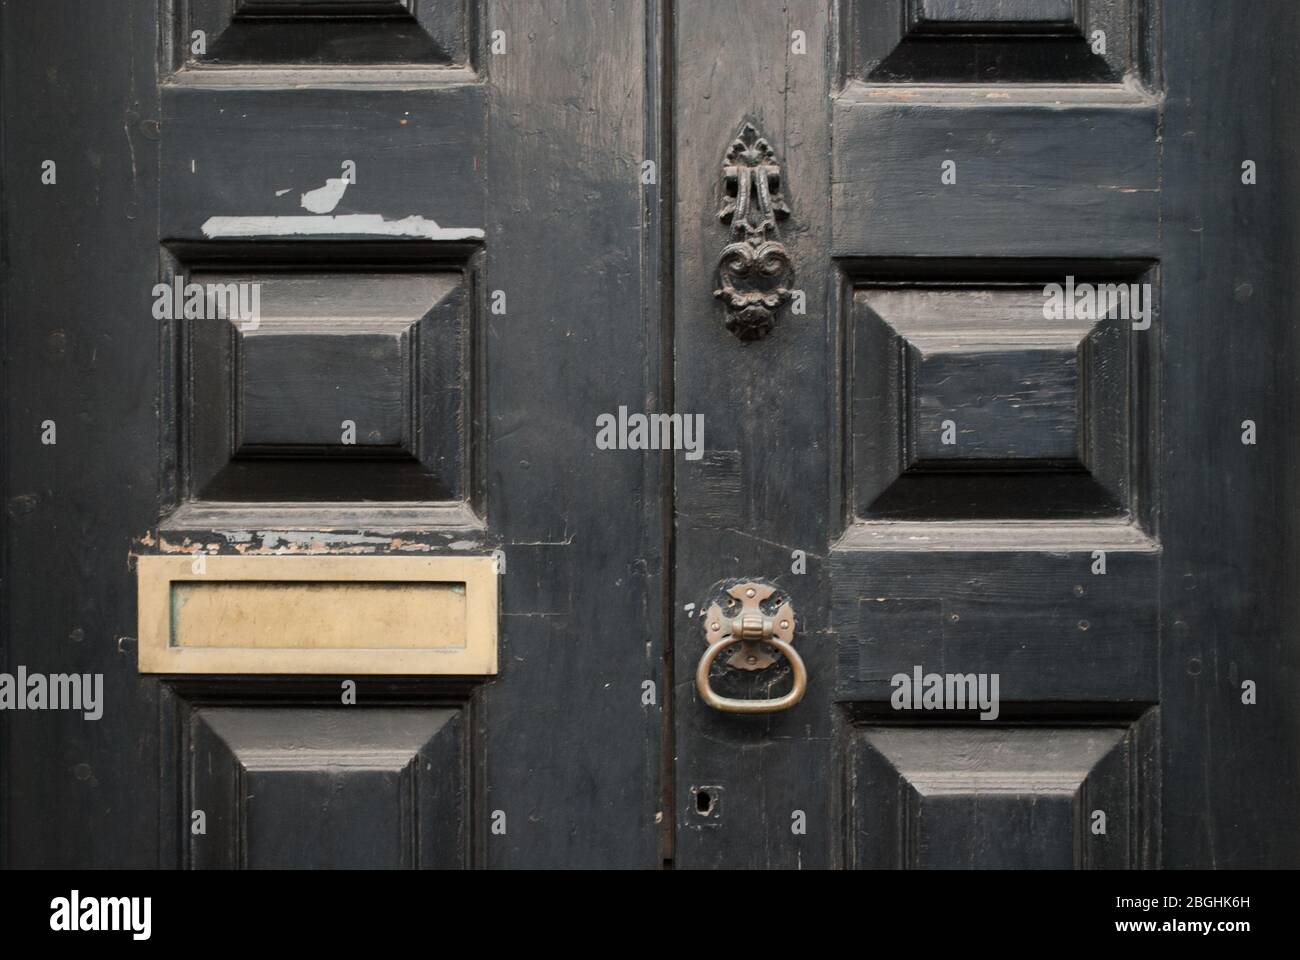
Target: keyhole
[{"x": 703, "y": 802}]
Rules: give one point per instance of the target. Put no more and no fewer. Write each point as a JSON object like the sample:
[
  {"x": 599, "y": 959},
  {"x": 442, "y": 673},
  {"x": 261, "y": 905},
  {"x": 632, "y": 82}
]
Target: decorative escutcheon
[
  {"x": 754, "y": 629},
  {"x": 754, "y": 270}
]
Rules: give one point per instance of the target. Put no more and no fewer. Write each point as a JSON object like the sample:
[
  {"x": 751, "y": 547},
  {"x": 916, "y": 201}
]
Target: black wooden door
[
  {"x": 379, "y": 570},
  {"x": 1040, "y": 554},
  {"x": 442, "y": 206}
]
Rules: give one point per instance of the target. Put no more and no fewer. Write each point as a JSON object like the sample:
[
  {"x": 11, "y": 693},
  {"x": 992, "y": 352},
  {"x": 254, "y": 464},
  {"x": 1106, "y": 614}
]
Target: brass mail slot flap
[{"x": 425, "y": 616}]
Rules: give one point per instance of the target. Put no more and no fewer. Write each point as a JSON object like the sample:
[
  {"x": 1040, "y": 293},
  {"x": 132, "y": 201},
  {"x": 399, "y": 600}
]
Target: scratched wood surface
[
  {"x": 982, "y": 565},
  {"x": 522, "y": 172},
  {"x": 517, "y": 172}
]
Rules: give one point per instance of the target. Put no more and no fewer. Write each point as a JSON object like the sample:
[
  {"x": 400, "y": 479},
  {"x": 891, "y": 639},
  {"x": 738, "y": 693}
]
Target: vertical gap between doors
[{"x": 659, "y": 81}]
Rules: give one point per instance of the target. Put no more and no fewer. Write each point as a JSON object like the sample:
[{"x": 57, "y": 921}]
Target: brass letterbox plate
[{"x": 317, "y": 615}]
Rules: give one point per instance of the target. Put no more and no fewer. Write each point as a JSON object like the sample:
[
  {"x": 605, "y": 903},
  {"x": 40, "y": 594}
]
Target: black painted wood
[
  {"x": 1229, "y": 512},
  {"x": 1002, "y": 797},
  {"x": 984, "y": 564},
  {"x": 1116, "y": 687},
  {"x": 957, "y": 601},
  {"x": 81, "y": 349},
  {"x": 573, "y": 752},
  {"x": 966, "y": 400},
  {"x": 765, "y": 407},
  {"x": 996, "y": 41},
  {"x": 994, "y": 14},
  {"x": 321, "y": 8},
  {"x": 1120, "y": 692},
  {"x": 1073, "y": 178},
  {"x": 176, "y": 438},
  {"x": 325, "y": 789},
  {"x": 331, "y": 33},
  {"x": 349, "y": 386}
]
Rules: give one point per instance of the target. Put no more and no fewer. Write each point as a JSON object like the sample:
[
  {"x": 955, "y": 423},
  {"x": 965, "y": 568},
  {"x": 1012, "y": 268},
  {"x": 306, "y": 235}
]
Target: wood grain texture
[
  {"x": 80, "y": 260},
  {"x": 1008, "y": 405},
  {"x": 1031, "y": 181},
  {"x": 968, "y": 42},
  {"x": 767, "y": 400},
  {"x": 1231, "y": 513},
  {"x": 965, "y": 401},
  {"x": 264, "y": 406},
  {"x": 582, "y": 536},
  {"x": 942, "y": 577},
  {"x": 989, "y": 797},
  {"x": 1051, "y": 630},
  {"x": 311, "y": 788},
  {"x": 993, "y": 12},
  {"x": 573, "y": 755},
  {"x": 321, "y": 33},
  {"x": 1122, "y": 691},
  {"x": 418, "y": 153}
]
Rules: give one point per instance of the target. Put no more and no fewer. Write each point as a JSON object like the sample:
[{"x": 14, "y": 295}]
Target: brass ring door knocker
[{"x": 753, "y": 629}]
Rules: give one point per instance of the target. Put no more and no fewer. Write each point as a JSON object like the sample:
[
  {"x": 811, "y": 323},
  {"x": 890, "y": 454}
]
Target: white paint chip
[
  {"x": 326, "y": 198},
  {"x": 281, "y": 193},
  {"x": 352, "y": 224}
]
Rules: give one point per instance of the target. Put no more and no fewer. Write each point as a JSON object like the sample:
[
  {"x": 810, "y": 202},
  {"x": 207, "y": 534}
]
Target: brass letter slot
[{"x": 318, "y": 615}]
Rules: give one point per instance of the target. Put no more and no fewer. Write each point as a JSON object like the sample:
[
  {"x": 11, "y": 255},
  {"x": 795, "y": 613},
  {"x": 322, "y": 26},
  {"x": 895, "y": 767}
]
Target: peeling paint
[
  {"x": 362, "y": 224},
  {"x": 322, "y": 540},
  {"x": 326, "y": 198}
]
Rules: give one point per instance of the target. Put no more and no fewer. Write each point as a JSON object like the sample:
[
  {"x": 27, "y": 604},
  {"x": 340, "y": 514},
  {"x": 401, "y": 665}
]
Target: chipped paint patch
[
  {"x": 251, "y": 542},
  {"x": 397, "y": 543},
  {"x": 326, "y": 198},
  {"x": 293, "y": 538},
  {"x": 352, "y": 224}
]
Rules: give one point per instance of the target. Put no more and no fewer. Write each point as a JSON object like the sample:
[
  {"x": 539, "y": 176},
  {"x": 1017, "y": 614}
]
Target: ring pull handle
[{"x": 752, "y": 628}]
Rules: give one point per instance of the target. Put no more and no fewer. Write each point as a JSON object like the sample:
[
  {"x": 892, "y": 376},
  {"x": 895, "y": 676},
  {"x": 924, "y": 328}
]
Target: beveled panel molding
[
  {"x": 396, "y": 616},
  {"x": 370, "y": 41},
  {"x": 961, "y": 42}
]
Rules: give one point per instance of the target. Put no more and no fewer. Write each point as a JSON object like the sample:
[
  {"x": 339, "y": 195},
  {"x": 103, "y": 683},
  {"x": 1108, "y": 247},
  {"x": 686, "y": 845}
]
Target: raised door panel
[
  {"x": 999, "y": 797},
  {"x": 995, "y": 204},
  {"x": 319, "y": 788}
]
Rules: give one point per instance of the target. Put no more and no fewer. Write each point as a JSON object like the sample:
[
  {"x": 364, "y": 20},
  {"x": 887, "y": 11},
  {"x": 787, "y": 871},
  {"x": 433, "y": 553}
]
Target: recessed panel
[
  {"x": 296, "y": 389},
  {"x": 978, "y": 175},
  {"x": 323, "y": 8},
  {"x": 995, "y": 41},
  {"x": 1035, "y": 797},
  {"x": 1061, "y": 612},
  {"x": 321, "y": 33},
  {"x": 989, "y": 16},
  {"x": 284, "y": 787},
  {"x": 346, "y": 386},
  {"x": 1016, "y": 404},
  {"x": 975, "y": 401}
]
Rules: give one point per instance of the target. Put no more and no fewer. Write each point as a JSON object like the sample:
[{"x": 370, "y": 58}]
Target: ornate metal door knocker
[{"x": 754, "y": 270}]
